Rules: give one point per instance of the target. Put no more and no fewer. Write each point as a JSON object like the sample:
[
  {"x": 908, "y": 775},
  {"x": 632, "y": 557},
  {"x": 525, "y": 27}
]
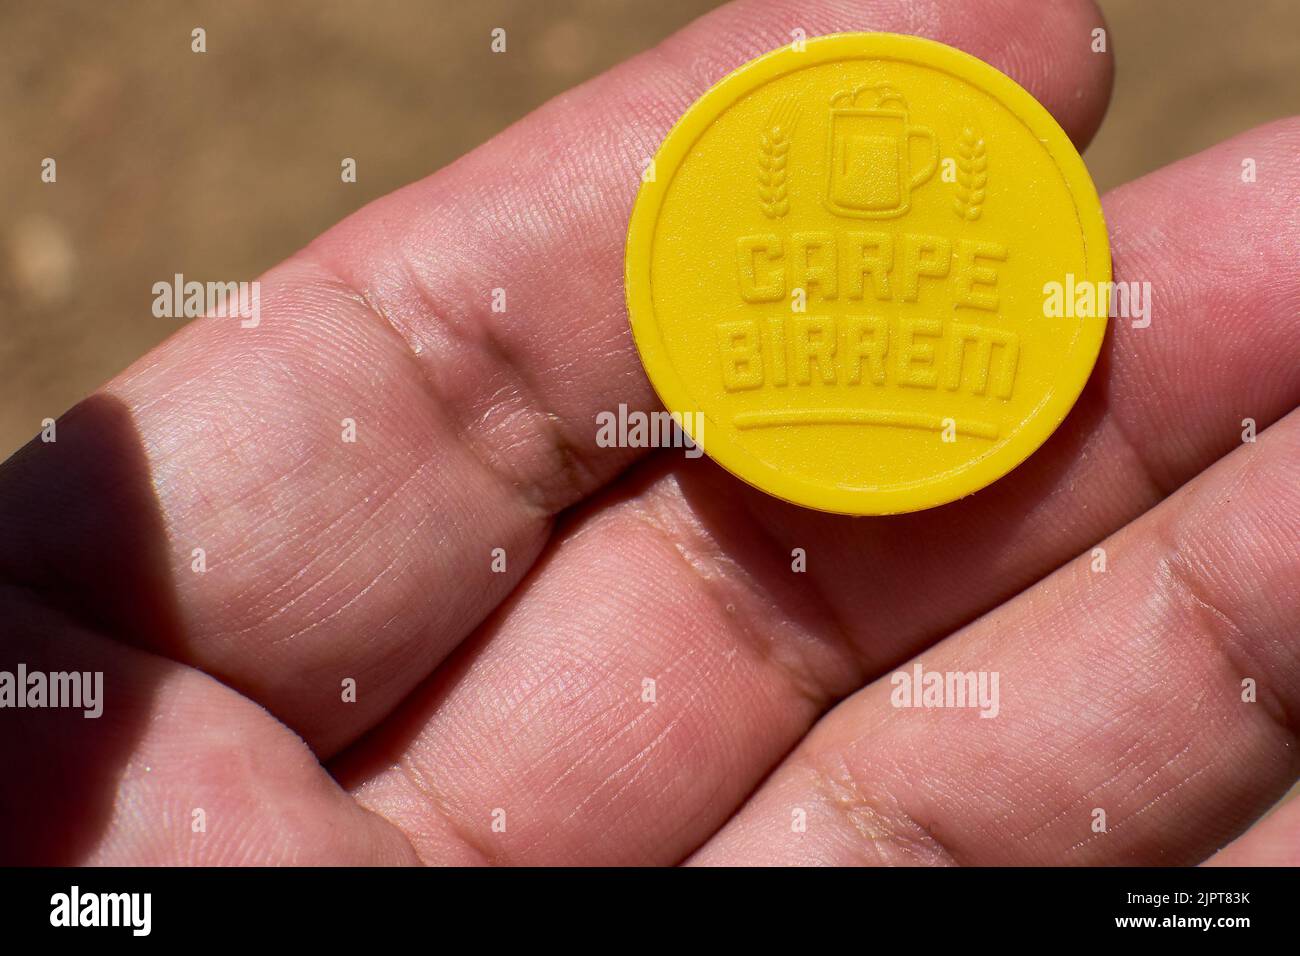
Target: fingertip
[{"x": 1059, "y": 51}]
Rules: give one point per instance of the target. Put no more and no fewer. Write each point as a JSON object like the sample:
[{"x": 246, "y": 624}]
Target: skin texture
[{"x": 521, "y": 691}]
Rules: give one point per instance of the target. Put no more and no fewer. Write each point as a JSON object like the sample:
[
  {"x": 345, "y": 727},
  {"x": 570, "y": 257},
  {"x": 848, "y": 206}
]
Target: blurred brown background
[{"x": 217, "y": 166}]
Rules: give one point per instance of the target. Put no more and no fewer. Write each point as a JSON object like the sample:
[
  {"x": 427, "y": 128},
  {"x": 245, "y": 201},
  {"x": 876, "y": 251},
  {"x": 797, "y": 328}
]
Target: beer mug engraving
[{"x": 872, "y": 170}]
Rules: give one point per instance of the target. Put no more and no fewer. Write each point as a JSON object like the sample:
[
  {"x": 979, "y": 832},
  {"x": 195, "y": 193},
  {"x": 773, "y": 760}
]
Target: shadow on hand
[{"x": 84, "y": 570}]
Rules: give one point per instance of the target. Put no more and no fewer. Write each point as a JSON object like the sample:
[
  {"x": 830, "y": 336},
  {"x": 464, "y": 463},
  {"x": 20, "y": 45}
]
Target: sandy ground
[{"x": 217, "y": 166}]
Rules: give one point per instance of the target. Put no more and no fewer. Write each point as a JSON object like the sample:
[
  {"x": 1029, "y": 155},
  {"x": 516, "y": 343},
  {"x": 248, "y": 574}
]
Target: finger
[
  {"x": 330, "y": 560},
  {"x": 139, "y": 761},
  {"x": 1142, "y": 715},
  {"x": 687, "y": 577},
  {"x": 1273, "y": 841}
]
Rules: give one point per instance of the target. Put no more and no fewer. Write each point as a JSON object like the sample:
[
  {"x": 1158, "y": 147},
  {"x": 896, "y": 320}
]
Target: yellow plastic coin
[{"x": 869, "y": 273}]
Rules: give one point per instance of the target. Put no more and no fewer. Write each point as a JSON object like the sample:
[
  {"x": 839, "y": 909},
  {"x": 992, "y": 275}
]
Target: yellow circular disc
[{"x": 869, "y": 272}]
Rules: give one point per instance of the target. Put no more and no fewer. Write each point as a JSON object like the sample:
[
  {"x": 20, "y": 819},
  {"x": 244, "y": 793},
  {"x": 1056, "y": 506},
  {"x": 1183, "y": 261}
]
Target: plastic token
[{"x": 868, "y": 272}]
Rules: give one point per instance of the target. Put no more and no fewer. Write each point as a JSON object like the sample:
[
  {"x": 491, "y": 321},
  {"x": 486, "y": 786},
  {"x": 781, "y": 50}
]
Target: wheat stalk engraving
[
  {"x": 972, "y": 175},
  {"x": 773, "y": 151}
]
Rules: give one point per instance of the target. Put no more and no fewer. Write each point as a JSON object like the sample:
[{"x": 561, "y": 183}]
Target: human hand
[{"x": 501, "y": 715}]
